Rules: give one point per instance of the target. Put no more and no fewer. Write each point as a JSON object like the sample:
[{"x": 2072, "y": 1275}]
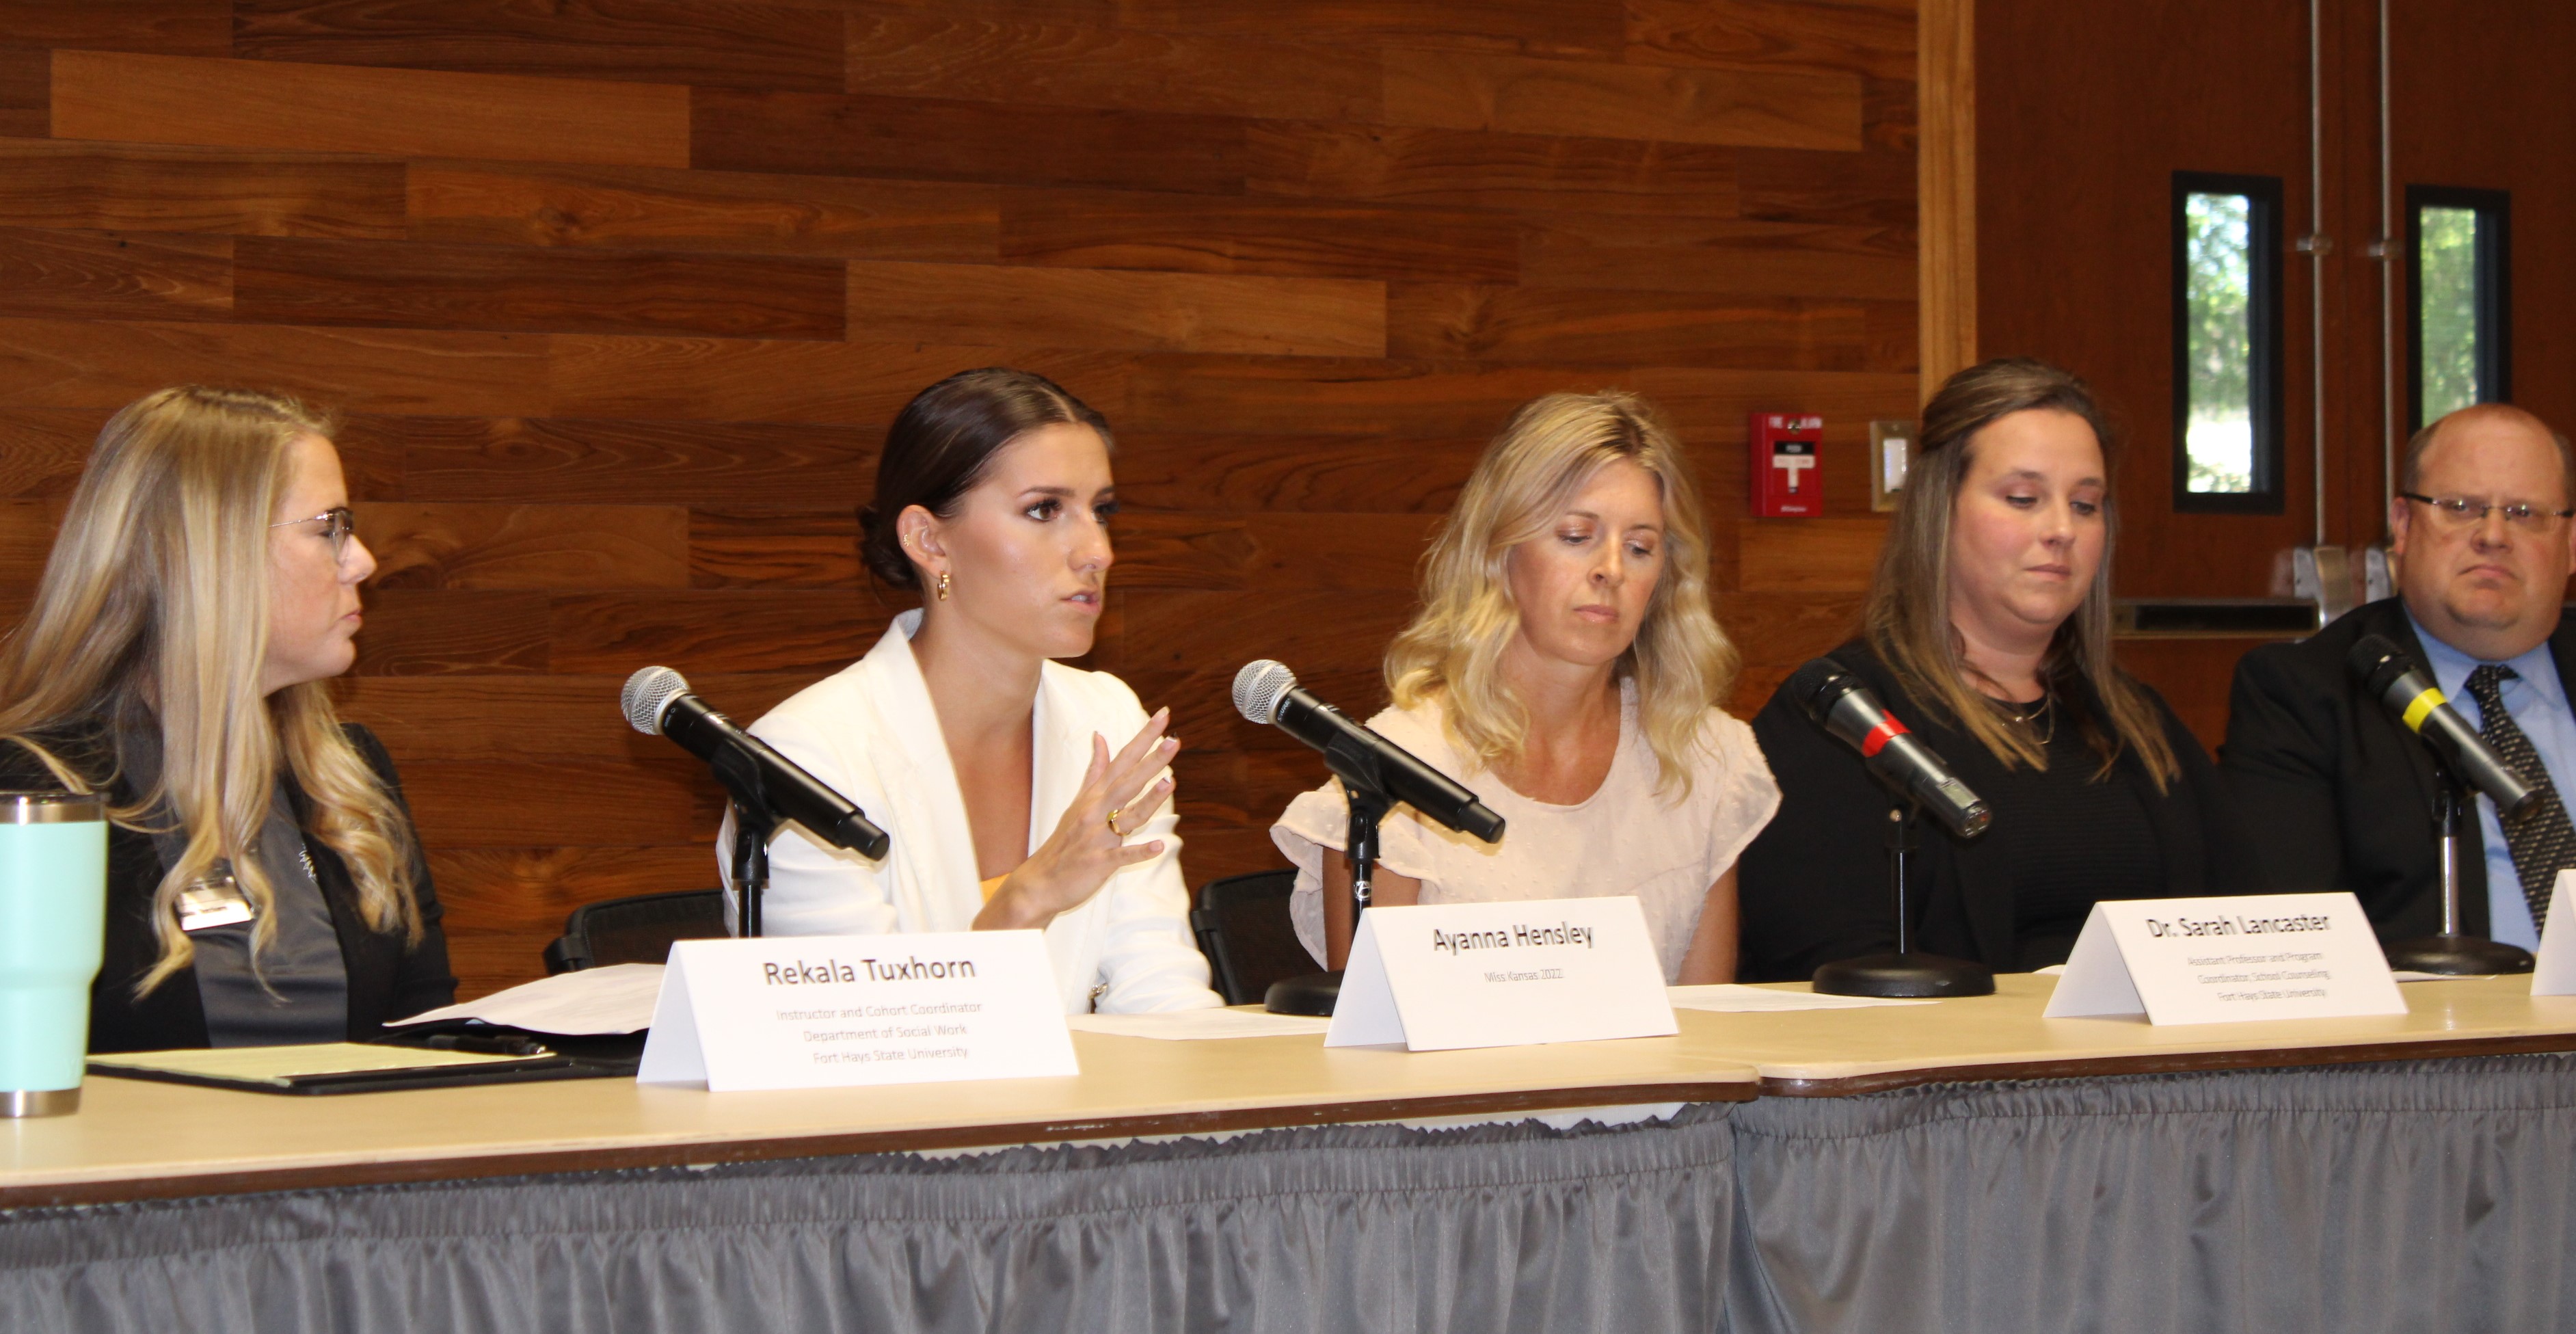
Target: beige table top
[
  {"x": 137, "y": 1139},
  {"x": 1835, "y": 1052},
  {"x": 134, "y": 1139}
]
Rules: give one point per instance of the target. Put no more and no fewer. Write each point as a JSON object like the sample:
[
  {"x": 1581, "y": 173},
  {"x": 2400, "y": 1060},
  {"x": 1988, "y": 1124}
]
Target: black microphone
[
  {"x": 658, "y": 702},
  {"x": 2389, "y": 672},
  {"x": 1837, "y": 702},
  {"x": 1267, "y": 692}
]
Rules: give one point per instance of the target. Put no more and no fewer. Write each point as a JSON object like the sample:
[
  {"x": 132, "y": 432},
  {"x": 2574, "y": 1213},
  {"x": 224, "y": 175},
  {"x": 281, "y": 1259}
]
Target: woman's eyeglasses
[
  {"x": 338, "y": 524},
  {"x": 2460, "y": 512}
]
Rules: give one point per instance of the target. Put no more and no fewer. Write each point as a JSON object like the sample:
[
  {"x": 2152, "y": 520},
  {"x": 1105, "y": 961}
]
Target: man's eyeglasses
[
  {"x": 2460, "y": 512},
  {"x": 338, "y": 525}
]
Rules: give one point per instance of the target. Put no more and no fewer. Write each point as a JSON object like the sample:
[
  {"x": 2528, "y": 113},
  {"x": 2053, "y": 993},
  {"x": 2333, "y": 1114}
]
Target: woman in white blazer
[{"x": 1019, "y": 792}]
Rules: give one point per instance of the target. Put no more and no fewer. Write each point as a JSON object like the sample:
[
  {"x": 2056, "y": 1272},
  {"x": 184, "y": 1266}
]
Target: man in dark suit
[{"x": 2339, "y": 794}]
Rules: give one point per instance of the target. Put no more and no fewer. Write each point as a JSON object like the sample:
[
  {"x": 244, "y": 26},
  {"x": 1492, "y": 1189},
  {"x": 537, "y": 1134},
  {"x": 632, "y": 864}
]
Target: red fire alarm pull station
[{"x": 1788, "y": 482}]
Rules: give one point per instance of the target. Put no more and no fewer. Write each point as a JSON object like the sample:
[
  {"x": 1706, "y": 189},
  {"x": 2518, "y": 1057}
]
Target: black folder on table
[{"x": 408, "y": 1063}]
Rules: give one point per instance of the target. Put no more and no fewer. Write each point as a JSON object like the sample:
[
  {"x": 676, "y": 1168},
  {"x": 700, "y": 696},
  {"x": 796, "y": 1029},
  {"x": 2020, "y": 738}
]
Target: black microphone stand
[
  {"x": 754, "y": 824},
  {"x": 1904, "y": 973},
  {"x": 2451, "y": 953},
  {"x": 1316, "y": 993}
]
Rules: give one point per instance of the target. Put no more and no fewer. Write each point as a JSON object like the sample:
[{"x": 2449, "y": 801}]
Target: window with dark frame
[
  {"x": 2227, "y": 343},
  {"x": 2459, "y": 327}
]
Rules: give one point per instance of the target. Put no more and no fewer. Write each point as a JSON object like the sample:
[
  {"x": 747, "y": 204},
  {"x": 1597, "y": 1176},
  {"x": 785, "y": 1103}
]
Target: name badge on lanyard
[{"x": 214, "y": 901}]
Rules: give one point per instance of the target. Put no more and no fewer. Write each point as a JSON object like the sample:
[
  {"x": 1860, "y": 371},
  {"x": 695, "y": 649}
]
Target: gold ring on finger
[{"x": 1114, "y": 813}]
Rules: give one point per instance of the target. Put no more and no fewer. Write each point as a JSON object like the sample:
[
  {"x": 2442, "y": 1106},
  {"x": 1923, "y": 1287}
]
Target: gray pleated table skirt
[{"x": 2409, "y": 1196}]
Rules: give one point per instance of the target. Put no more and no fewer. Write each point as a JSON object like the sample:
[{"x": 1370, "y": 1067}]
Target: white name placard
[
  {"x": 2215, "y": 961},
  {"x": 2554, "y": 972},
  {"x": 784, "y": 1012},
  {"x": 1501, "y": 975}
]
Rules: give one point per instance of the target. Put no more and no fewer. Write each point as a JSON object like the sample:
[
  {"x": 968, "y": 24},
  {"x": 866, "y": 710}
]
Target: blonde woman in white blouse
[{"x": 1566, "y": 667}]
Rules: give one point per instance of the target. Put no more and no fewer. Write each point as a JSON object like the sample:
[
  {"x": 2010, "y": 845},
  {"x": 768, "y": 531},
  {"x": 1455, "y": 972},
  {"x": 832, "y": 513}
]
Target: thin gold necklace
[{"x": 2026, "y": 717}]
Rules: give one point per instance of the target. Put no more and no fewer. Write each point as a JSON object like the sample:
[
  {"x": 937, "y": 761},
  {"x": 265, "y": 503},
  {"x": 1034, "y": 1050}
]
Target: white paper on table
[
  {"x": 2401, "y": 974},
  {"x": 1736, "y": 998},
  {"x": 586, "y": 1002},
  {"x": 1198, "y": 1025}
]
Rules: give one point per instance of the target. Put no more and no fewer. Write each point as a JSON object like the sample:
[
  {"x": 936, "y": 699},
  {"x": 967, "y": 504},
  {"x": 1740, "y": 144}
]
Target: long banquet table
[{"x": 1965, "y": 1164}]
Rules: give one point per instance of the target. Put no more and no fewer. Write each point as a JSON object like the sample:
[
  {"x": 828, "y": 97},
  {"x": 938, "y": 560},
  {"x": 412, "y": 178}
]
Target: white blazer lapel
[
  {"x": 1060, "y": 753},
  {"x": 933, "y": 858}
]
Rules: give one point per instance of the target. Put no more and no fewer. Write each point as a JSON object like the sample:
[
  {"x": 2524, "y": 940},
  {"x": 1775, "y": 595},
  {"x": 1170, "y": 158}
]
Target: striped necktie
[{"x": 2541, "y": 841}]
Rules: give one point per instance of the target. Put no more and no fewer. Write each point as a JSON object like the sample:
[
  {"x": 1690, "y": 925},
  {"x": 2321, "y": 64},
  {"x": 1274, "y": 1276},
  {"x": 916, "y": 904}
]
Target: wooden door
[{"x": 2085, "y": 114}]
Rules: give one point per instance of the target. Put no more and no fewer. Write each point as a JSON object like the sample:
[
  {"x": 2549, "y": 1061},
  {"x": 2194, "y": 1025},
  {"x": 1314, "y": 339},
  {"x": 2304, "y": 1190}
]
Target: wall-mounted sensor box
[
  {"x": 1788, "y": 479},
  {"x": 1891, "y": 451}
]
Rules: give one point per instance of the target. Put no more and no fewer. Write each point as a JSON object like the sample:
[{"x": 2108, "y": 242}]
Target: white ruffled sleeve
[
  {"x": 1313, "y": 822},
  {"x": 1739, "y": 785},
  {"x": 1321, "y": 819}
]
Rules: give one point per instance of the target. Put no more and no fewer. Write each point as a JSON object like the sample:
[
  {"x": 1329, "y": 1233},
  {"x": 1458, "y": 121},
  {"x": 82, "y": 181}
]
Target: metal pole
[
  {"x": 1900, "y": 842},
  {"x": 2387, "y": 251},
  {"x": 2450, "y": 805},
  {"x": 2316, "y": 248}
]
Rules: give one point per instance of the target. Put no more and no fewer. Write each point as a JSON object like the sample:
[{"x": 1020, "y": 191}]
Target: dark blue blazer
[{"x": 2341, "y": 790}]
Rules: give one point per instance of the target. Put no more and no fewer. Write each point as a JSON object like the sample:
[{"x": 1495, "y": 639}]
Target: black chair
[
  {"x": 1243, "y": 929},
  {"x": 637, "y": 929}
]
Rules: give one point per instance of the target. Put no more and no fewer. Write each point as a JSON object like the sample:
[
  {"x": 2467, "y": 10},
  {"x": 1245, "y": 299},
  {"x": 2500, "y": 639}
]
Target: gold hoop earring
[{"x": 943, "y": 585}]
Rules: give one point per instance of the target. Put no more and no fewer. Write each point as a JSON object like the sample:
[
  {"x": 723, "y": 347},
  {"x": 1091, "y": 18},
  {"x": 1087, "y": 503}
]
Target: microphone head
[
  {"x": 648, "y": 692},
  {"x": 2376, "y": 661},
  {"x": 1817, "y": 685},
  {"x": 1971, "y": 815},
  {"x": 1259, "y": 687}
]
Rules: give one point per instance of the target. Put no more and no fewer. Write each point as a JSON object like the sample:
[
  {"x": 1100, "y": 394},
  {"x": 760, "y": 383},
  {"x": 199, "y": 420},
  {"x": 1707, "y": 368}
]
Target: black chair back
[
  {"x": 637, "y": 929},
  {"x": 1242, "y": 926}
]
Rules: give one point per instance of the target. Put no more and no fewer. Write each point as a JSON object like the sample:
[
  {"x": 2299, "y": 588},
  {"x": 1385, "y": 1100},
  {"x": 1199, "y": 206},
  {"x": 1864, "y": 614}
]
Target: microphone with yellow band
[{"x": 2392, "y": 674}]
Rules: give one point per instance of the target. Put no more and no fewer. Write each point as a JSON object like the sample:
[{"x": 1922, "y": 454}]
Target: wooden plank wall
[{"x": 618, "y": 295}]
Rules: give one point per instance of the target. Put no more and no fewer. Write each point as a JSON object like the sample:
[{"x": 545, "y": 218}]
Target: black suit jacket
[
  {"x": 2341, "y": 790},
  {"x": 387, "y": 979},
  {"x": 1813, "y": 887}
]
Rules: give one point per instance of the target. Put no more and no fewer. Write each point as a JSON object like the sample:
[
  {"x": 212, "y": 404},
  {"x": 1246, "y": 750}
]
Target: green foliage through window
[
  {"x": 2219, "y": 356},
  {"x": 2449, "y": 238}
]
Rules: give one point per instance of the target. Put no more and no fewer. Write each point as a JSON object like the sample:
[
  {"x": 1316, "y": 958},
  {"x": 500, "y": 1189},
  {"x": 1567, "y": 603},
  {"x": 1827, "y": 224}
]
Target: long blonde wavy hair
[
  {"x": 1907, "y": 615},
  {"x": 1681, "y": 662},
  {"x": 153, "y": 613}
]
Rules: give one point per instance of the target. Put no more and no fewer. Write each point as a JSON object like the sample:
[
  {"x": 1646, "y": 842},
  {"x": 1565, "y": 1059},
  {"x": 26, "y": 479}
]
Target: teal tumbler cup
[{"x": 53, "y": 925}]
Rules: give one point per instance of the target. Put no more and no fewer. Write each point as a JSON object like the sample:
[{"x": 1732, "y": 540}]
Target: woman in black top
[
  {"x": 1987, "y": 633},
  {"x": 264, "y": 885}
]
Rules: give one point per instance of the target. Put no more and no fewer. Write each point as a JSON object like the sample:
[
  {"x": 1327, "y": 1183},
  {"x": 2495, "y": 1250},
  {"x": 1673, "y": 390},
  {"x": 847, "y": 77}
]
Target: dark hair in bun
[{"x": 940, "y": 445}]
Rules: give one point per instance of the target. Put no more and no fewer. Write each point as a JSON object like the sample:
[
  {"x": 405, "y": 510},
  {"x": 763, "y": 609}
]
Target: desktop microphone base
[
  {"x": 1904, "y": 975},
  {"x": 2458, "y": 956},
  {"x": 1312, "y": 994}
]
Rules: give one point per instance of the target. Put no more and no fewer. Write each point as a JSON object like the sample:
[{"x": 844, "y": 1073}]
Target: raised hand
[{"x": 1085, "y": 850}]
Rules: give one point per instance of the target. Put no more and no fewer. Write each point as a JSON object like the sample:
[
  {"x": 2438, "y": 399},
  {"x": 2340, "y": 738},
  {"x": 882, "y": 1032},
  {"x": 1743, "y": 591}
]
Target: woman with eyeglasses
[
  {"x": 1986, "y": 632},
  {"x": 264, "y": 883}
]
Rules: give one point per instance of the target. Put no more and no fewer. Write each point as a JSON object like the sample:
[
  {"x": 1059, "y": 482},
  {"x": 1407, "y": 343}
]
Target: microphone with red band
[{"x": 1837, "y": 702}]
